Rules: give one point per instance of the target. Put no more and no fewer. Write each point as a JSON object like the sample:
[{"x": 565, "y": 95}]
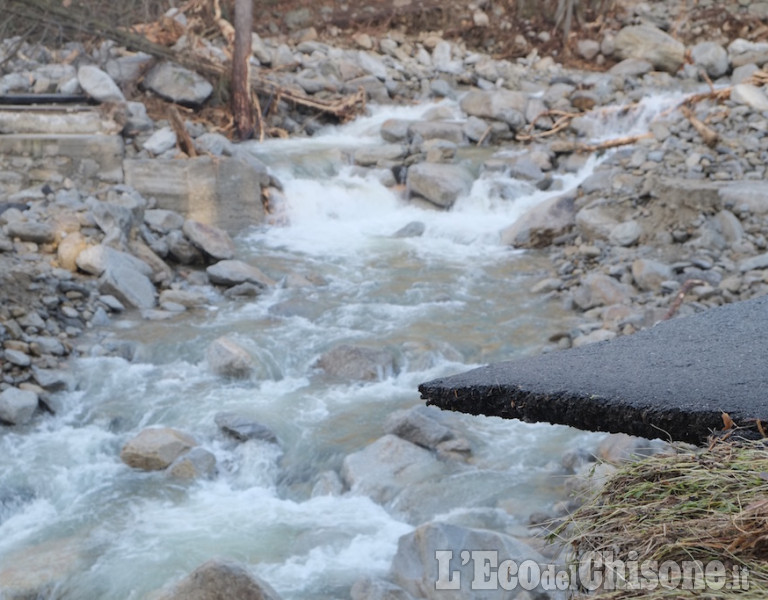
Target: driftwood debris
[{"x": 151, "y": 39}]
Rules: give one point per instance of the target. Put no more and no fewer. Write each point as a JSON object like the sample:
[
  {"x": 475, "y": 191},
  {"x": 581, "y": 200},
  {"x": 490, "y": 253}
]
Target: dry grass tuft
[{"x": 702, "y": 505}]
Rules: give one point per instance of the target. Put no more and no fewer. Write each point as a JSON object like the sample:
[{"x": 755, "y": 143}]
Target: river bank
[{"x": 602, "y": 259}]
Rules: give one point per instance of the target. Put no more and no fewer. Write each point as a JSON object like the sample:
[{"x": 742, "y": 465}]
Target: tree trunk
[{"x": 242, "y": 105}]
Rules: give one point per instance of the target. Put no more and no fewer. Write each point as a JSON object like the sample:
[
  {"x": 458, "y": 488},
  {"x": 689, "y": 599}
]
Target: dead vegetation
[{"x": 695, "y": 505}]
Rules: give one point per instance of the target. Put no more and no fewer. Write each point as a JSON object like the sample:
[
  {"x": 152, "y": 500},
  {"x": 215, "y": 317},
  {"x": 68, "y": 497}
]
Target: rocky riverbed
[{"x": 108, "y": 228}]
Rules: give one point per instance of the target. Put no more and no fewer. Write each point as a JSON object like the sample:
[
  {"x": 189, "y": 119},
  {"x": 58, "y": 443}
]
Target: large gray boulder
[
  {"x": 432, "y": 555},
  {"x": 387, "y": 466},
  {"x": 420, "y": 425},
  {"x": 440, "y": 184},
  {"x": 540, "y": 225},
  {"x": 215, "y": 242},
  {"x": 221, "y": 580},
  {"x": 650, "y": 43},
  {"x": 156, "y": 448},
  {"x": 17, "y": 406},
  {"x": 95, "y": 260},
  {"x": 234, "y": 272},
  {"x": 356, "y": 363},
  {"x": 500, "y": 105},
  {"x": 227, "y": 358},
  {"x": 177, "y": 84},
  {"x": 129, "y": 286}
]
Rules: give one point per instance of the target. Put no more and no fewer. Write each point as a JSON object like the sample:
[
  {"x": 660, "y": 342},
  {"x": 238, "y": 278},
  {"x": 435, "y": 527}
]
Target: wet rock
[
  {"x": 622, "y": 448},
  {"x": 540, "y": 225},
  {"x": 227, "y": 358},
  {"x": 328, "y": 484},
  {"x": 419, "y": 425},
  {"x": 17, "y": 406},
  {"x": 649, "y": 274},
  {"x": 220, "y": 579},
  {"x": 52, "y": 380},
  {"x": 379, "y": 154},
  {"x": 356, "y": 363},
  {"x": 387, "y": 466},
  {"x": 369, "y": 588},
  {"x": 99, "y": 85},
  {"x": 441, "y": 184},
  {"x": 416, "y": 569},
  {"x": 711, "y": 57},
  {"x": 155, "y": 449},
  {"x": 234, "y": 272},
  {"x": 213, "y": 241},
  {"x": 242, "y": 428},
  {"x": 186, "y": 298},
  {"x": 177, "y": 84},
  {"x": 437, "y": 130},
  {"x": 395, "y": 130},
  {"x": 39, "y": 570},
  {"x": 30, "y": 231},
  {"x": 198, "y": 463},
  {"x": 652, "y": 44}
]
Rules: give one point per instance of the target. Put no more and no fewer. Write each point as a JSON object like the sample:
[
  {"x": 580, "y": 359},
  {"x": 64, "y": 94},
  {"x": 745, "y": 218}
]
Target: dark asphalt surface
[{"x": 672, "y": 381}]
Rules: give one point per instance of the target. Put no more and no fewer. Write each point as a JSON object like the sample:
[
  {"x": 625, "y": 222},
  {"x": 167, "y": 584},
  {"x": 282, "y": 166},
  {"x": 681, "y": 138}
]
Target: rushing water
[{"x": 443, "y": 302}]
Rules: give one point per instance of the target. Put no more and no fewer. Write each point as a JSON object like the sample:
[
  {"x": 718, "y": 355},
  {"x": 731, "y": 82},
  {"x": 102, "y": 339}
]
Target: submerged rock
[
  {"x": 17, "y": 406},
  {"x": 229, "y": 359},
  {"x": 356, "y": 362},
  {"x": 221, "y": 580}
]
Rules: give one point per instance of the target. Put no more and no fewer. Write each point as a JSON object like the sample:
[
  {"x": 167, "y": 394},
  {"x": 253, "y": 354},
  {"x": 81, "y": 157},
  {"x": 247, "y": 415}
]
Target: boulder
[
  {"x": 387, "y": 466},
  {"x": 370, "y": 156},
  {"x": 242, "y": 428},
  {"x": 650, "y": 43},
  {"x": 182, "y": 250},
  {"x": 220, "y": 580},
  {"x": 17, "y": 406},
  {"x": 356, "y": 363},
  {"x": 395, "y": 130},
  {"x": 437, "y": 130},
  {"x": 711, "y": 57},
  {"x": 440, "y": 184},
  {"x": 541, "y": 224},
  {"x": 154, "y": 449},
  {"x": 419, "y": 425},
  {"x": 98, "y": 259},
  {"x": 500, "y": 105},
  {"x": 649, "y": 274},
  {"x": 129, "y": 286},
  {"x": 234, "y": 272},
  {"x": 186, "y": 298},
  {"x": 412, "y": 229},
  {"x": 215, "y": 242},
  {"x": 227, "y": 358},
  {"x": 99, "y": 85},
  {"x": 435, "y": 551},
  {"x": 177, "y": 84}
]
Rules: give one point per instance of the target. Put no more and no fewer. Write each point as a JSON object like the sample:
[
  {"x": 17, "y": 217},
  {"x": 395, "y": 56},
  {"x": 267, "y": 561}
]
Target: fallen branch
[
  {"x": 684, "y": 289},
  {"x": 708, "y": 134},
  {"x": 183, "y": 139}
]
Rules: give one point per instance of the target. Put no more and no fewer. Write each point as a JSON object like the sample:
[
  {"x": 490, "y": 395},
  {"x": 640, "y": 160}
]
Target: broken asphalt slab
[{"x": 672, "y": 381}]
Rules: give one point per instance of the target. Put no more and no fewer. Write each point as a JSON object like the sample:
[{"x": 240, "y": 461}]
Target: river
[{"x": 446, "y": 301}]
